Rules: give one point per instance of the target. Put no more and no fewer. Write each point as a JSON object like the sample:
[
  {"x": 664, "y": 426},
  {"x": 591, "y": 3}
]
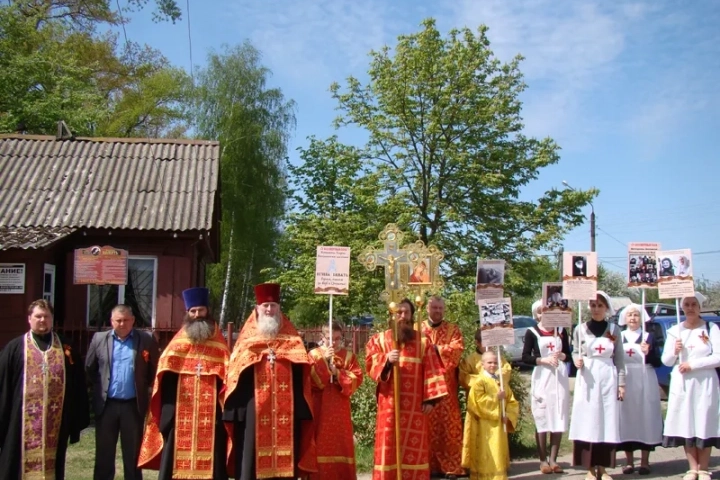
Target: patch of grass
[
  {"x": 80, "y": 459},
  {"x": 364, "y": 458}
]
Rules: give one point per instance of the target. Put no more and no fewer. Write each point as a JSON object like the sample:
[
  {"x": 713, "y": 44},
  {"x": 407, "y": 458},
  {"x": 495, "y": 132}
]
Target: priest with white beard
[{"x": 268, "y": 401}]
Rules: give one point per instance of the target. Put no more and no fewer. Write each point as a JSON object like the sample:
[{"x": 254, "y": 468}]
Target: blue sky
[{"x": 627, "y": 88}]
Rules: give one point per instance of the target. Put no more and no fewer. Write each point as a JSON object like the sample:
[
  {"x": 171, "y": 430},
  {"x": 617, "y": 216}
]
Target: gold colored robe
[
  {"x": 471, "y": 367},
  {"x": 485, "y": 447}
]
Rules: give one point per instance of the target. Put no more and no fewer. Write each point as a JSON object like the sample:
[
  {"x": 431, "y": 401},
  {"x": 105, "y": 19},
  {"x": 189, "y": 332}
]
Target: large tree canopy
[{"x": 446, "y": 157}]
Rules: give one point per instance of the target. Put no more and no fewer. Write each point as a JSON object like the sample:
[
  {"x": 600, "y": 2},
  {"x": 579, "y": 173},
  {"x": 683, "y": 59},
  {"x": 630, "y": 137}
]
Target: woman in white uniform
[
  {"x": 599, "y": 388},
  {"x": 693, "y": 414},
  {"x": 548, "y": 349},
  {"x": 640, "y": 412}
]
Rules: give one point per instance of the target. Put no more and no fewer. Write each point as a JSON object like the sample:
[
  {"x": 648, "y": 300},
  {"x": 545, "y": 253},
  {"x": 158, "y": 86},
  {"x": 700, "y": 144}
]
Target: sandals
[
  {"x": 690, "y": 475},
  {"x": 628, "y": 469},
  {"x": 703, "y": 475},
  {"x": 545, "y": 468},
  {"x": 644, "y": 470},
  {"x": 557, "y": 468}
]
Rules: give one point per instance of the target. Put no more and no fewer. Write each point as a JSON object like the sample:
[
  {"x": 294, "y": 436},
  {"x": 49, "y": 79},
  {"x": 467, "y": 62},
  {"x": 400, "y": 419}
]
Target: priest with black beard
[
  {"x": 184, "y": 435},
  {"x": 43, "y": 400},
  {"x": 268, "y": 399}
]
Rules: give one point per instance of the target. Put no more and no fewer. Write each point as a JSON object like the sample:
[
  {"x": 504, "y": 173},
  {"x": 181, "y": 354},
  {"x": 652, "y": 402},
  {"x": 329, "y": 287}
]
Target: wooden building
[{"x": 158, "y": 199}]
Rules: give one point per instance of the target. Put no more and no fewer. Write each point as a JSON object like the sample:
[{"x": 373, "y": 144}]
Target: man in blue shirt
[{"x": 121, "y": 364}]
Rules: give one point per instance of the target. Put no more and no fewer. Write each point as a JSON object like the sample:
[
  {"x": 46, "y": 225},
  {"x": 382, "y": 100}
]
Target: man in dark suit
[{"x": 121, "y": 364}]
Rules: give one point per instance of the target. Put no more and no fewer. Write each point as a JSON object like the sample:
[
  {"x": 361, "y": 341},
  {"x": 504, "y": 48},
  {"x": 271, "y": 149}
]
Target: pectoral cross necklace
[{"x": 271, "y": 355}]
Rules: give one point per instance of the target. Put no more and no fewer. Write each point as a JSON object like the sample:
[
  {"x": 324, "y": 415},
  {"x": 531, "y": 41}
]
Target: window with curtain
[{"x": 139, "y": 294}]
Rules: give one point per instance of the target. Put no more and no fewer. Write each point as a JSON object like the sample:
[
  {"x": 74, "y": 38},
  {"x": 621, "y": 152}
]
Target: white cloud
[
  {"x": 323, "y": 40},
  {"x": 570, "y": 48}
]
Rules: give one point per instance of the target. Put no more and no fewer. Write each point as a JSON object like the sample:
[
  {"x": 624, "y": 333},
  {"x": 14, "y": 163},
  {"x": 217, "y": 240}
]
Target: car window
[
  {"x": 667, "y": 311},
  {"x": 658, "y": 334},
  {"x": 523, "y": 322}
]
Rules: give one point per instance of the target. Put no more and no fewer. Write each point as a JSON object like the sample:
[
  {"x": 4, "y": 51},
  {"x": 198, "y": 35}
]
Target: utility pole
[
  {"x": 592, "y": 218},
  {"x": 592, "y": 228}
]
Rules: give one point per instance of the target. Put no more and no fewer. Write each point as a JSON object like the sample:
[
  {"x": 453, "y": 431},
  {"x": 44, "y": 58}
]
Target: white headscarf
[
  {"x": 699, "y": 296},
  {"x": 535, "y": 306},
  {"x": 610, "y": 310},
  {"x": 622, "y": 320}
]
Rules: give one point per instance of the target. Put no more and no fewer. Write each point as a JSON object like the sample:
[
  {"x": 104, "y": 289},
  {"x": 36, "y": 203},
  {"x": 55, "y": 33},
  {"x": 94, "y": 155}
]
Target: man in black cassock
[{"x": 42, "y": 390}]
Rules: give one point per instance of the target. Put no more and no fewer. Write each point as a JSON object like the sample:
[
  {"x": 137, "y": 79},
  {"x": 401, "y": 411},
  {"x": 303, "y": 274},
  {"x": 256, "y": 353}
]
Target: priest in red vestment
[
  {"x": 43, "y": 400},
  {"x": 445, "y": 420},
  {"x": 336, "y": 375},
  {"x": 268, "y": 400},
  {"x": 184, "y": 435},
  {"x": 422, "y": 385}
]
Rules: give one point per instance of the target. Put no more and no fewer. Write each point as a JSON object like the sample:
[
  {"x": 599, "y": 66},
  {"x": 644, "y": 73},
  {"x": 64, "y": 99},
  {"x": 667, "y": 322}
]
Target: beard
[
  {"x": 200, "y": 329},
  {"x": 268, "y": 325},
  {"x": 406, "y": 332}
]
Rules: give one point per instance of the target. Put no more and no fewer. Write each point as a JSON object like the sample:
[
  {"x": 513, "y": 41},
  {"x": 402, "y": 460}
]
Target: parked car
[
  {"x": 660, "y": 309},
  {"x": 521, "y": 323},
  {"x": 659, "y": 326}
]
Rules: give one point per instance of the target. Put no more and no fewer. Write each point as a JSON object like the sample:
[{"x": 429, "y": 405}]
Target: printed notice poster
[
  {"x": 489, "y": 280},
  {"x": 579, "y": 275},
  {"x": 332, "y": 270},
  {"x": 556, "y": 311},
  {"x": 642, "y": 264},
  {"x": 675, "y": 274},
  {"x": 12, "y": 278},
  {"x": 100, "y": 266},
  {"x": 496, "y": 322}
]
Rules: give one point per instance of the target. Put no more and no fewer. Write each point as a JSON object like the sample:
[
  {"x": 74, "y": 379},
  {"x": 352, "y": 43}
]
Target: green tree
[
  {"x": 445, "y": 158},
  {"x": 252, "y": 122},
  {"x": 443, "y": 117}
]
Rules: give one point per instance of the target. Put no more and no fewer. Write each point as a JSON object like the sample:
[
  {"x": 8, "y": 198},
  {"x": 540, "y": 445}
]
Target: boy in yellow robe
[
  {"x": 471, "y": 366},
  {"x": 485, "y": 446}
]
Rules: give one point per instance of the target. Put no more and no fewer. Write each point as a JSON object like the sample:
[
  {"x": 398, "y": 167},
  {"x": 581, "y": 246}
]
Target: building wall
[
  {"x": 13, "y": 307},
  {"x": 177, "y": 269}
]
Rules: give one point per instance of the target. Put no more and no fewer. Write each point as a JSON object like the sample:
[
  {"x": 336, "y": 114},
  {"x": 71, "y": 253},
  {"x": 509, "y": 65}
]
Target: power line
[
  {"x": 122, "y": 22},
  {"x": 606, "y": 233},
  {"x": 192, "y": 73}
]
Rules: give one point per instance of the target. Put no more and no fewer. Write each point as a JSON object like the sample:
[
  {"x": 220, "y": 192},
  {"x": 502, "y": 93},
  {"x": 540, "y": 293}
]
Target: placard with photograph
[
  {"x": 579, "y": 275},
  {"x": 489, "y": 279},
  {"x": 496, "y": 322},
  {"x": 556, "y": 311},
  {"x": 675, "y": 274},
  {"x": 642, "y": 264}
]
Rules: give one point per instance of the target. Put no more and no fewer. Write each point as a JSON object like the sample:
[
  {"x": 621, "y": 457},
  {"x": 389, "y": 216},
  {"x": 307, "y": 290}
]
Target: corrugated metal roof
[
  {"x": 31, "y": 237},
  {"x": 144, "y": 184}
]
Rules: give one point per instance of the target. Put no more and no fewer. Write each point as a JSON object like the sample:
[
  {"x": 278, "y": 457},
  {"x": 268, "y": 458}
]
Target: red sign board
[{"x": 100, "y": 266}]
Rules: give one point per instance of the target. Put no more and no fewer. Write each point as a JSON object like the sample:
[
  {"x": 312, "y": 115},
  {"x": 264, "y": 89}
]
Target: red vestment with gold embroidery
[
  {"x": 421, "y": 379},
  {"x": 199, "y": 366},
  {"x": 445, "y": 420},
  {"x": 333, "y": 427},
  {"x": 272, "y": 362}
]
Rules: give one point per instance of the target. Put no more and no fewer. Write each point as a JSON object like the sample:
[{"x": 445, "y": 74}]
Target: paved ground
[{"x": 664, "y": 463}]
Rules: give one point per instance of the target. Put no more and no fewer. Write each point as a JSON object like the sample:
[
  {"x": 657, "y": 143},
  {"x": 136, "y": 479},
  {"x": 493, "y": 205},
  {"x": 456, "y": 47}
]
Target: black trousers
[{"x": 120, "y": 417}]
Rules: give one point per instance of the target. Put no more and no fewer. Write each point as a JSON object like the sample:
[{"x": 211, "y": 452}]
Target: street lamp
[{"x": 592, "y": 218}]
